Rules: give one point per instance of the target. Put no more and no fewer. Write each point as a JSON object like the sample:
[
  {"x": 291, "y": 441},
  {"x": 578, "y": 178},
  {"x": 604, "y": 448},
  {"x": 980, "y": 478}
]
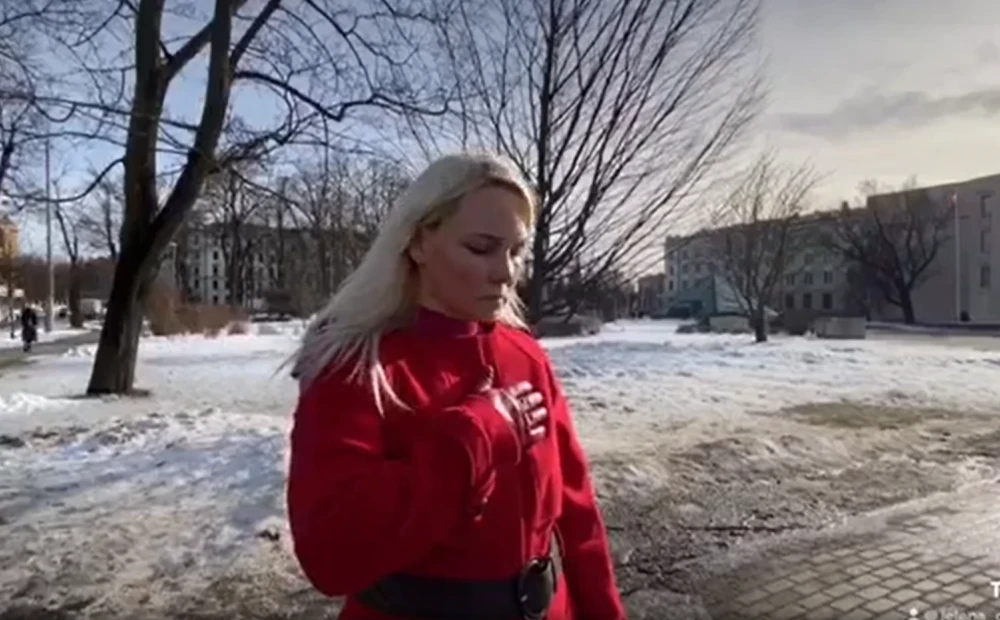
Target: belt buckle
[{"x": 535, "y": 586}]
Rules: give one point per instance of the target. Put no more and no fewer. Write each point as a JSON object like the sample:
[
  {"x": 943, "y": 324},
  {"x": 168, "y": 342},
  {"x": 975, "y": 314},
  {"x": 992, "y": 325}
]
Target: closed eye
[{"x": 479, "y": 250}]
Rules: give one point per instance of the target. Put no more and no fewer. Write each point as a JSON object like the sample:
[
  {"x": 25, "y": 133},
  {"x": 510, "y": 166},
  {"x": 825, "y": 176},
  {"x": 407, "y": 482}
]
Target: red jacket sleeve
[
  {"x": 587, "y": 564},
  {"x": 355, "y": 515}
]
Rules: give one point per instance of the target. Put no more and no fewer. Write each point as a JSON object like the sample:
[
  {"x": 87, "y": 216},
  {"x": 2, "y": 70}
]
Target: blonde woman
[{"x": 435, "y": 472}]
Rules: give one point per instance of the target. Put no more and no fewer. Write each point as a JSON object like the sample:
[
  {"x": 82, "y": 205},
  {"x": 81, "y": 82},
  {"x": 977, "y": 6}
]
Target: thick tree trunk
[
  {"x": 906, "y": 305},
  {"x": 534, "y": 294},
  {"x": 75, "y": 313},
  {"x": 759, "y": 326},
  {"x": 114, "y": 365}
]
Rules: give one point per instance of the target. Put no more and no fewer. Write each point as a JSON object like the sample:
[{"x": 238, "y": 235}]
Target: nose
[{"x": 502, "y": 270}]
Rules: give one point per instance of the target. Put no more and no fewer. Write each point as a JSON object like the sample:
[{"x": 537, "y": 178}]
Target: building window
[
  {"x": 807, "y": 278},
  {"x": 215, "y": 270},
  {"x": 984, "y": 241},
  {"x": 215, "y": 255},
  {"x": 215, "y": 285},
  {"x": 807, "y": 259},
  {"x": 807, "y": 301},
  {"x": 827, "y": 277},
  {"x": 671, "y": 270},
  {"x": 670, "y": 285},
  {"x": 684, "y": 254},
  {"x": 828, "y": 301},
  {"x": 984, "y": 276},
  {"x": 984, "y": 206},
  {"x": 789, "y": 301},
  {"x": 790, "y": 280},
  {"x": 684, "y": 268},
  {"x": 684, "y": 285}
]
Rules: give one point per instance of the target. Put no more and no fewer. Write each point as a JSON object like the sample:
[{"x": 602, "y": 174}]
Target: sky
[
  {"x": 867, "y": 89},
  {"x": 883, "y": 89}
]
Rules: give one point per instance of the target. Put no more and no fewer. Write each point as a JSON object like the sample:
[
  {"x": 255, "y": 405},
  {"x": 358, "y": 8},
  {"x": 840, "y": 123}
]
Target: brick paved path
[{"x": 932, "y": 562}]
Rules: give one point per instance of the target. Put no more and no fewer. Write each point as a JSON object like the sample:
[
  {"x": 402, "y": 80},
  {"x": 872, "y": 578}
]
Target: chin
[{"x": 489, "y": 310}]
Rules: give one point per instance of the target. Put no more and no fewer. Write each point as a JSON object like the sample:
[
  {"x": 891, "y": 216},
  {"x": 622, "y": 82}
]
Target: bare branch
[{"x": 619, "y": 113}]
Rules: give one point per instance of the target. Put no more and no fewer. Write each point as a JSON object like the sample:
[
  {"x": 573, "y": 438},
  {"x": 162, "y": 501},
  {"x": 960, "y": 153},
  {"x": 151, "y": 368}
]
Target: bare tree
[
  {"x": 68, "y": 220},
  {"x": 321, "y": 196},
  {"x": 8, "y": 266},
  {"x": 617, "y": 111},
  {"x": 21, "y": 121},
  {"x": 232, "y": 205},
  {"x": 758, "y": 240},
  {"x": 892, "y": 241},
  {"x": 317, "y": 62},
  {"x": 101, "y": 220}
]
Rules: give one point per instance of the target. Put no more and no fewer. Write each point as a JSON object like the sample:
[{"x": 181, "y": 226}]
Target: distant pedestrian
[{"x": 29, "y": 327}]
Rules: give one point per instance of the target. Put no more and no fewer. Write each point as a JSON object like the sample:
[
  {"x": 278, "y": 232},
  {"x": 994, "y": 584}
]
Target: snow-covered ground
[
  {"x": 633, "y": 377},
  {"x": 100, "y": 498}
]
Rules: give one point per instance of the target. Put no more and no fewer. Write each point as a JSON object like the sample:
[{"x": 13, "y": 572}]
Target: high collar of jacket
[{"x": 434, "y": 323}]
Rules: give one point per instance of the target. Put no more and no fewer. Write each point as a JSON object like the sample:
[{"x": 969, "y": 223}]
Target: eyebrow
[
  {"x": 488, "y": 237},
  {"x": 497, "y": 239}
]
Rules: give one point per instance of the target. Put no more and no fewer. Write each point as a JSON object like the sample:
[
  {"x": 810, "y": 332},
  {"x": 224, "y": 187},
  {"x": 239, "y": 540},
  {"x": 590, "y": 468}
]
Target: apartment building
[
  {"x": 816, "y": 280},
  {"x": 689, "y": 264},
  {"x": 961, "y": 283},
  {"x": 199, "y": 266},
  {"x": 651, "y": 289},
  {"x": 285, "y": 261},
  {"x": 819, "y": 280}
]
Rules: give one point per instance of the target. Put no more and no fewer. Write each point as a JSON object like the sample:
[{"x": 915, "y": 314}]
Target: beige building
[
  {"x": 816, "y": 280},
  {"x": 960, "y": 283},
  {"x": 9, "y": 246}
]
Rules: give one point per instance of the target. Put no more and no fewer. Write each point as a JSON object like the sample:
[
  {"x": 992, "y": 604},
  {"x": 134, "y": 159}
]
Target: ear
[{"x": 416, "y": 250}]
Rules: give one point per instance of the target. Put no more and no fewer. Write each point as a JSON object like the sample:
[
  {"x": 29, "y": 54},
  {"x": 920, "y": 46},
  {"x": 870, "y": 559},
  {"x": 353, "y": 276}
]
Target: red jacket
[{"x": 443, "y": 490}]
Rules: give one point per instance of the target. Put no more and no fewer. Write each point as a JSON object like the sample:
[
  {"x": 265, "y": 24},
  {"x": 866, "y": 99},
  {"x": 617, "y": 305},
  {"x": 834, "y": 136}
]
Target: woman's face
[{"x": 468, "y": 263}]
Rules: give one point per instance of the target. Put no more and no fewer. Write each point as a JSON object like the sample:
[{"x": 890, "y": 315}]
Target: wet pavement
[{"x": 936, "y": 559}]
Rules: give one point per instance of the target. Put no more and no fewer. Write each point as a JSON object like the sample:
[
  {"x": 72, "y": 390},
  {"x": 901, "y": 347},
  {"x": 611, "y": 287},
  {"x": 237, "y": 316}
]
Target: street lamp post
[
  {"x": 958, "y": 257},
  {"x": 50, "y": 279}
]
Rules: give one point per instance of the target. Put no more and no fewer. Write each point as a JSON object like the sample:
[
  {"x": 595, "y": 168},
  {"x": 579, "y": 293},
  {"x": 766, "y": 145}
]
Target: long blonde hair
[{"x": 379, "y": 294}]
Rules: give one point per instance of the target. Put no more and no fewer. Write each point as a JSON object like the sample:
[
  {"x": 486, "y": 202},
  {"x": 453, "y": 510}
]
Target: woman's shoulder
[{"x": 523, "y": 339}]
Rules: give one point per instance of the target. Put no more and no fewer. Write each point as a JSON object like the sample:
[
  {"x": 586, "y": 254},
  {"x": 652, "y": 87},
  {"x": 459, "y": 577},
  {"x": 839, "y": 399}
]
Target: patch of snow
[
  {"x": 20, "y": 403},
  {"x": 97, "y": 494},
  {"x": 645, "y": 375}
]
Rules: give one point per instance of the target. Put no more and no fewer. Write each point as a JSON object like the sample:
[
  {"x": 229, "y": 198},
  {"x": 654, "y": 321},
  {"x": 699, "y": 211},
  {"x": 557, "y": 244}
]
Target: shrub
[
  {"x": 161, "y": 309},
  {"x": 168, "y": 317}
]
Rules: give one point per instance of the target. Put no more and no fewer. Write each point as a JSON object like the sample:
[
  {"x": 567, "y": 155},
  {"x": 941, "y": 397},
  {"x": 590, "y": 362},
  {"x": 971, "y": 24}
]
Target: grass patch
[
  {"x": 986, "y": 445},
  {"x": 848, "y": 415}
]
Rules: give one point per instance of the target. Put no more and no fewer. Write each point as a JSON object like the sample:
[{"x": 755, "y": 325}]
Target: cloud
[
  {"x": 988, "y": 53},
  {"x": 890, "y": 111}
]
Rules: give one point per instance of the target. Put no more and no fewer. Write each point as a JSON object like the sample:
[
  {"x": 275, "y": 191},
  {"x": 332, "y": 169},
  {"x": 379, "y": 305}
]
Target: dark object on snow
[
  {"x": 10, "y": 441},
  {"x": 269, "y": 533},
  {"x": 29, "y": 327}
]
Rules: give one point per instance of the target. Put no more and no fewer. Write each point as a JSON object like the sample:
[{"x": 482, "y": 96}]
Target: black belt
[{"x": 528, "y": 595}]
